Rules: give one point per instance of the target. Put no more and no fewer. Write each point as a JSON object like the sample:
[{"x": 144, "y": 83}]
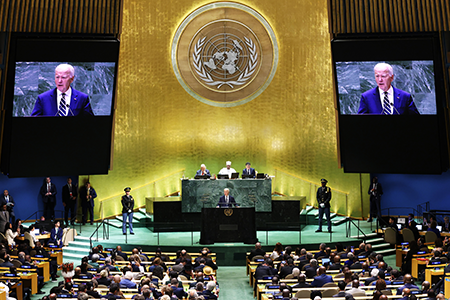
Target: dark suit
[
  {"x": 10, "y": 207},
  {"x": 310, "y": 272},
  {"x": 285, "y": 271},
  {"x": 46, "y": 104},
  {"x": 301, "y": 285},
  {"x": 207, "y": 173},
  {"x": 56, "y": 238},
  {"x": 49, "y": 201},
  {"x": 223, "y": 204},
  {"x": 324, "y": 196},
  {"x": 256, "y": 252},
  {"x": 375, "y": 199},
  {"x": 249, "y": 172},
  {"x": 69, "y": 198},
  {"x": 320, "y": 280},
  {"x": 370, "y": 103},
  {"x": 87, "y": 204},
  {"x": 4, "y": 218}
]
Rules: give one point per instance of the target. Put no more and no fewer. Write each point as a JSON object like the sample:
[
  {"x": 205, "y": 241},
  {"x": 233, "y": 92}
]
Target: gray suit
[{"x": 4, "y": 218}]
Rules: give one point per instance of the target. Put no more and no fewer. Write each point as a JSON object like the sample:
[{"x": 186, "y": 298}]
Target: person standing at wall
[{"x": 127, "y": 211}]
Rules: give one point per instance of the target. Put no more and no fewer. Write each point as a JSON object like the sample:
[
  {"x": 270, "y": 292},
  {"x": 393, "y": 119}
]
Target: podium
[{"x": 228, "y": 225}]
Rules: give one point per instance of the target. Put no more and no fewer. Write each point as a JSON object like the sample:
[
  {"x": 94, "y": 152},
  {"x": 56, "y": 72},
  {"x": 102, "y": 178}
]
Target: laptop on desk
[{"x": 234, "y": 175}]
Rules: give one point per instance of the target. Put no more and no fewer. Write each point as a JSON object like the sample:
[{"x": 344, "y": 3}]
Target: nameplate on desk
[{"x": 228, "y": 227}]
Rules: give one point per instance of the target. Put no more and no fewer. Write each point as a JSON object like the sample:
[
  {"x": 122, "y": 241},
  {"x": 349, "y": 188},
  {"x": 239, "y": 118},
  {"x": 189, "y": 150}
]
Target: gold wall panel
[{"x": 289, "y": 129}]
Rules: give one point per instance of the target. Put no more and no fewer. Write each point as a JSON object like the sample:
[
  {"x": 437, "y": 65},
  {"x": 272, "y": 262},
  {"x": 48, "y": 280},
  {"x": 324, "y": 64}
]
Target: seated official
[
  {"x": 56, "y": 235},
  {"x": 228, "y": 170},
  {"x": 226, "y": 200},
  {"x": 249, "y": 171},
  {"x": 203, "y": 171},
  {"x": 433, "y": 228},
  {"x": 321, "y": 278}
]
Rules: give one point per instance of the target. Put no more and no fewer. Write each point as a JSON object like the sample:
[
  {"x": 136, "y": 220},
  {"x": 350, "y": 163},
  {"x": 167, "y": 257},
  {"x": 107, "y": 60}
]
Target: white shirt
[
  {"x": 226, "y": 171},
  {"x": 390, "y": 92},
  {"x": 67, "y": 96}
]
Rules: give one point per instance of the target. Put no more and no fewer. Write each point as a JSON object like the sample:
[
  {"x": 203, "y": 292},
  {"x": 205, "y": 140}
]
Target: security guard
[
  {"x": 127, "y": 211},
  {"x": 323, "y": 199}
]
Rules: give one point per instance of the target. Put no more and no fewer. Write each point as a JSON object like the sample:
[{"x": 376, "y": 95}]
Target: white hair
[
  {"x": 384, "y": 66},
  {"x": 226, "y": 189},
  {"x": 128, "y": 275},
  {"x": 295, "y": 271},
  {"x": 211, "y": 285},
  {"x": 202, "y": 166},
  {"x": 68, "y": 67},
  {"x": 374, "y": 272}
]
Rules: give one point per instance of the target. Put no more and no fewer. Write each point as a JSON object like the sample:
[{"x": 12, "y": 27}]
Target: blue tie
[
  {"x": 387, "y": 105},
  {"x": 62, "y": 106}
]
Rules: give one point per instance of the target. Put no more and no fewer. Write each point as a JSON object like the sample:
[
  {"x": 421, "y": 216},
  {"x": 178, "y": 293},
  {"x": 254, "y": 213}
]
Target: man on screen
[
  {"x": 63, "y": 100},
  {"x": 385, "y": 99}
]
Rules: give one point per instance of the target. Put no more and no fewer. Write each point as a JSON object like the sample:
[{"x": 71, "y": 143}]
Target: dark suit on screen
[
  {"x": 68, "y": 195},
  {"x": 370, "y": 103},
  {"x": 223, "y": 204},
  {"x": 46, "y": 104},
  {"x": 49, "y": 201},
  {"x": 251, "y": 172}
]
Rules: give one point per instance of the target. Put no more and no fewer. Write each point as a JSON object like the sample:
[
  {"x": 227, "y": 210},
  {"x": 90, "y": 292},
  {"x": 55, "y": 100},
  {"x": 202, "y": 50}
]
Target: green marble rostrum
[{"x": 196, "y": 194}]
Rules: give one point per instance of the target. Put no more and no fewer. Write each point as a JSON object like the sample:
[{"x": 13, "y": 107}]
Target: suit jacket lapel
[
  {"x": 54, "y": 102},
  {"x": 73, "y": 102},
  {"x": 378, "y": 103}
]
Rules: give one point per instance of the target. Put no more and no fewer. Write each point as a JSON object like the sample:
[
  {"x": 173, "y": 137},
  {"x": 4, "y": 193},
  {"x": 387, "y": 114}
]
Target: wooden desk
[
  {"x": 18, "y": 287},
  {"x": 44, "y": 268},
  {"x": 399, "y": 256},
  {"x": 415, "y": 263},
  {"x": 2, "y": 295},
  {"x": 59, "y": 257},
  {"x": 430, "y": 273},
  {"x": 30, "y": 280}
]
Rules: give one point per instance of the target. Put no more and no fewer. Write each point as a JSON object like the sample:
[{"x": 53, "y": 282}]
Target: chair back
[
  {"x": 430, "y": 237},
  {"x": 289, "y": 276},
  {"x": 330, "y": 284},
  {"x": 390, "y": 236},
  {"x": 330, "y": 293},
  {"x": 408, "y": 235},
  {"x": 254, "y": 258},
  {"x": 119, "y": 258},
  {"x": 303, "y": 293},
  {"x": 16, "y": 263},
  {"x": 29, "y": 238},
  {"x": 386, "y": 292}
]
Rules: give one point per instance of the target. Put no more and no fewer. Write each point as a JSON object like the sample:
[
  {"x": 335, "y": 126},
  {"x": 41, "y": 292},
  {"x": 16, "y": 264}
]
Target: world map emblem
[{"x": 224, "y": 54}]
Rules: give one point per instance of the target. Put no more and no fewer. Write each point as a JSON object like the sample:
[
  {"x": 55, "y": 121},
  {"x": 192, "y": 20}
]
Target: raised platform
[{"x": 228, "y": 254}]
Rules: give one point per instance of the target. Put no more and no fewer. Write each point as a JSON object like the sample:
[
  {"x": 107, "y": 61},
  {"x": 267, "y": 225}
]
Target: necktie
[
  {"x": 62, "y": 111},
  {"x": 387, "y": 105},
  {"x": 48, "y": 188}
]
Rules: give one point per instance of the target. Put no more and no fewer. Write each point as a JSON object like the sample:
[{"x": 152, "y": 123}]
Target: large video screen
[
  {"x": 36, "y": 84},
  {"x": 59, "y": 105},
  {"x": 413, "y": 85},
  {"x": 390, "y": 104}
]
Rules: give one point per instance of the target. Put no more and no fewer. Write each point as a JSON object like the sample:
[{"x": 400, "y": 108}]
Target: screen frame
[
  {"x": 367, "y": 48},
  {"x": 77, "y": 48}
]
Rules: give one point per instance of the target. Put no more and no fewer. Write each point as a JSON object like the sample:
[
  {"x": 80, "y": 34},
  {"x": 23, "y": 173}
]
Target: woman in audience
[
  {"x": 18, "y": 227},
  {"x": 277, "y": 251},
  {"x": 413, "y": 227},
  {"x": 380, "y": 285},
  {"x": 434, "y": 229},
  {"x": 104, "y": 280},
  {"x": 297, "y": 254},
  {"x": 9, "y": 234}
]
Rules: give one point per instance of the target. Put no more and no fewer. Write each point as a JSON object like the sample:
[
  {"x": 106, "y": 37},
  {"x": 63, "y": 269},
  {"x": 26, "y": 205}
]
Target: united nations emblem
[
  {"x": 228, "y": 212},
  {"x": 224, "y": 54}
]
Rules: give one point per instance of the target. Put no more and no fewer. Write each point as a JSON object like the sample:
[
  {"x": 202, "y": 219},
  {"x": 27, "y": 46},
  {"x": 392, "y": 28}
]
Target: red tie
[{"x": 203, "y": 174}]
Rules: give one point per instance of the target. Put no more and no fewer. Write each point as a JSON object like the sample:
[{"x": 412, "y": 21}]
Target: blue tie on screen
[
  {"x": 387, "y": 105},
  {"x": 62, "y": 106}
]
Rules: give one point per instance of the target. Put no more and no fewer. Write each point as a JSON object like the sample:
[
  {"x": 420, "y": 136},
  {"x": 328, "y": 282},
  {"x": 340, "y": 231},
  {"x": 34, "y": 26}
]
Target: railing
[
  {"x": 152, "y": 186},
  {"x": 403, "y": 209},
  {"x": 423, "y": 207},
  {"x": 349, "y": 229},
  {"x": 103, "y": 224},
  {"x": 309, "y": 189}
]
